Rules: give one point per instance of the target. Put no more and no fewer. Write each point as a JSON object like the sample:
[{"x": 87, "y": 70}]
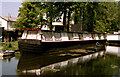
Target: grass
[{"x": 9, "y": 45}]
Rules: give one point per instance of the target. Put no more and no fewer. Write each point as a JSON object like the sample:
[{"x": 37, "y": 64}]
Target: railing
[{"x": 62, "y": 36}]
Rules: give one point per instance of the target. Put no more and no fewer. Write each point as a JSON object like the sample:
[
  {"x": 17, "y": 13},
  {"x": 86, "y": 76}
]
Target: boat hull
[
  {"x": 37, "y": 46},
  {"x": 113, "y": 42}
]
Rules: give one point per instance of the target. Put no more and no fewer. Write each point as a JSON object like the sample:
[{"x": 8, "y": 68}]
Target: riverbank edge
[{"x": 9, "y": 46}]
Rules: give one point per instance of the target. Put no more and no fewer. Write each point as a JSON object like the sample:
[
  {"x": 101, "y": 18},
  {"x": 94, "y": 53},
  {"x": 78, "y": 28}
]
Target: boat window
[
  {"x": 57, "y": 36},
  {"x": 104, "y": 36},
  {"x": 93, "y": 36},
  {"x": 24, "y": 34},
  {"x": 48, "y": 35},
  {"x": 70, "y": 36},
  {"x": 39, "y": 35},
  {"x": 80, "y": 36},
  {"x": 32, "y": 35},
  {"x": 75, "y": 35},
  {"x": 64, "y": 34},
  {"x": 99, "y": 36}
]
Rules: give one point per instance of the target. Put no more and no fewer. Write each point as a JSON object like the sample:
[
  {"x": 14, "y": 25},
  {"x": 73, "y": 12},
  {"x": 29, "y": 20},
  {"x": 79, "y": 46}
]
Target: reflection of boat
[
  {"x": 37, "y": 64},
  {"x": 7, "y": 57},
  {"x": 35, "y": 40},
  {"x": 113, "y": 50},
  {"x": 6, "y": 53}
]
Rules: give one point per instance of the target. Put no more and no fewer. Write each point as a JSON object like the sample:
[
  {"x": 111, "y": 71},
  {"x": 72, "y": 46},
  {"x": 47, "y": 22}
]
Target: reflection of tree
[
  {"x": 9, "y": 59},
  {"x": 109, "y": 66},
  {"x": 5, "y": 60},
  {"x": 17, "y": 56}
]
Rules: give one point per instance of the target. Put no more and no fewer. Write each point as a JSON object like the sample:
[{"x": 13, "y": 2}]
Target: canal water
[{"x": 80, "y": 60}]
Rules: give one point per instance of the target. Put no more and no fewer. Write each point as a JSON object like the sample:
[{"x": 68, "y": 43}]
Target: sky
[{"x": 11, "y": 7}]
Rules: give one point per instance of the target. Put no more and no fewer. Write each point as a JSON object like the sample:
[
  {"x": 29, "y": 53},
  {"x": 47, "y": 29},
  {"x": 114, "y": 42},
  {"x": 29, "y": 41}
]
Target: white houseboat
[
  {"x": 113, "y": 39},
  {"x": 36, "y": 40}
]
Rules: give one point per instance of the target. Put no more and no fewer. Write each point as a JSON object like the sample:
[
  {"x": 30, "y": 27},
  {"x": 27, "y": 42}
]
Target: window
[
  {"x": 47, "y": 35},
  {"x": 0, "y": 24},
  {"x": 57, "y": 36},
  {"x": 80, "y": 36},
  {"x": 11, "y": 24},
  {"x": 70, "y": 35}
]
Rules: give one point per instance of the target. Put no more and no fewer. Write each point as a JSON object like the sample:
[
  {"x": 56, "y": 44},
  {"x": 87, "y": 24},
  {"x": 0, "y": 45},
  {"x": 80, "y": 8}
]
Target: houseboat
[
  {"x": 113, "y": 39},
  {"x": 37, "y": 40}
]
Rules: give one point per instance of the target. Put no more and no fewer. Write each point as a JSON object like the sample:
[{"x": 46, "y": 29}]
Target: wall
[{"x": 4, "y": 23}]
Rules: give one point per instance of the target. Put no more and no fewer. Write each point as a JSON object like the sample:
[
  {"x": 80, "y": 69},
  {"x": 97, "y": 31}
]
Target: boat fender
[{"x": 97, "y": 43}]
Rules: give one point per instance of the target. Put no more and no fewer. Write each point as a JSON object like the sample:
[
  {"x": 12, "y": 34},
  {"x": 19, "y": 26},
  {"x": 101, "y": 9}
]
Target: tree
[
  {"x": 106, "y": 17},
  {"x": 97, "y": 16},
  {"x": 93, "y": 16},
  {"x": 119, "y": 14},
  {"x": 30, "y": 15}
]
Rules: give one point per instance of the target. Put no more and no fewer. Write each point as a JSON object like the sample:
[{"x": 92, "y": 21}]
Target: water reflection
[
  {"x": 108, "y": 66},
  {"x": 9, "y": 65},
  {"x": 56, "y": 61},
  {"x": 79, "y": 60},
  {"x": 113, "y": 50}
]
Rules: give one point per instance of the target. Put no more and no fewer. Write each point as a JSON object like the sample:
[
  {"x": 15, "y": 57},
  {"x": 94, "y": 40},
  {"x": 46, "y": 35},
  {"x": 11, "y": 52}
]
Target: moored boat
[
  {"x": 113, "y": 39},
  {"x": 37, "y": 40}
]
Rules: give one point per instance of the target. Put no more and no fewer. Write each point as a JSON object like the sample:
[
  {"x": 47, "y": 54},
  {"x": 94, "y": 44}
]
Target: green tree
[
  {"x": 97, "y": 16},
  {"x": 93, "y": 16},
  {"x": 30, "y": 15},
  {"x": 106, "y": 17}
]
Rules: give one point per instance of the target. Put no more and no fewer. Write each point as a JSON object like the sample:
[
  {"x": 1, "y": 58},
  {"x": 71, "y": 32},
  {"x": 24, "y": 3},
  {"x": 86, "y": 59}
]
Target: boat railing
[{"x": 62, "y": 36}]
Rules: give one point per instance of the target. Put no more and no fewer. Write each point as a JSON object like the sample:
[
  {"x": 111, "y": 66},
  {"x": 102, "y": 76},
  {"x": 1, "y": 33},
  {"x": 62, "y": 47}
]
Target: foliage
[
  {"x": 30, "y": 15},
  {"x": 93, "y": 16},
  {"x": 106, "y": 18},
  {"x": 10, "y": 45},
  {"x": 96, "y": 16}
]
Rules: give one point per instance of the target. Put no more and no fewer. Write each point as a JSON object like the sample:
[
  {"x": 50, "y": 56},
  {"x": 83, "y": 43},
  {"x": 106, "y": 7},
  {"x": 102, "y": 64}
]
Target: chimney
[{"x": 9, "y": 16}]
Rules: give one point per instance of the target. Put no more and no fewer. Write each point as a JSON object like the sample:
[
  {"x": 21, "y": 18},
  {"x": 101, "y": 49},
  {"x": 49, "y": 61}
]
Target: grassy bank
[{"x": 9, "y": 45}]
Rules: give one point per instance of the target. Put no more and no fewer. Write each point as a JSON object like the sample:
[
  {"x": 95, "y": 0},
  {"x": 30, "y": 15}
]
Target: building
[
  {"x": 57, "y": 26},
  {"x": 1, "y": 29},
  {"x": 7, "y": 29},
  {"x": 7, "y": 22}
]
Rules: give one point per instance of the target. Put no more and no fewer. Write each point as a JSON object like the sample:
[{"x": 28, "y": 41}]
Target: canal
[{"x": 76, "y": 60}]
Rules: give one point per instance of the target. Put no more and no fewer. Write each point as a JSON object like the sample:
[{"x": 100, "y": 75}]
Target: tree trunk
[
  {"x": 119, "y": 15},
  {"x": 64, "y": 17},
  {"x": 81, "y": 11},
  {"x": 68, "y": 21},
  {"x": 41, "y": 22},
  {"x": 51, "y": 27},
  {"x": 75, "y": 19},
  {"x": 51, "y": 14}
]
